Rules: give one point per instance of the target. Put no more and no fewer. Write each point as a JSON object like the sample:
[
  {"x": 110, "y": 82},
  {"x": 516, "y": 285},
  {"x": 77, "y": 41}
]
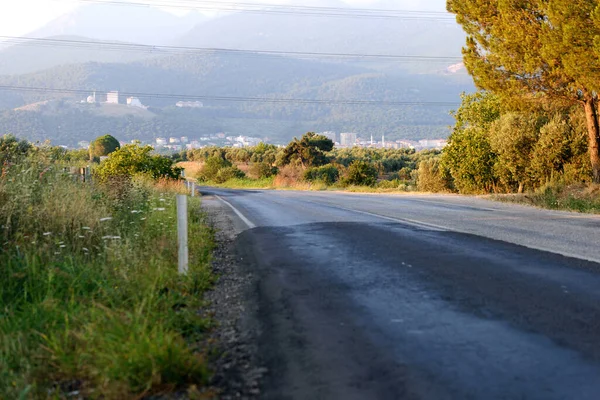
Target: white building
[
  {"x": 161, "y": 141},
  {"x": 92, "y": 99},
  {"x": 330, "y": 135},
  {"x": 348, "y": 139},
  {"x": 135, "y": 102},
  {"x": 189, "y": 104},
  {"x": 112, "y": 97},
  {"x": 174, "y": 140},
  {"x": 184, "y": 139}
]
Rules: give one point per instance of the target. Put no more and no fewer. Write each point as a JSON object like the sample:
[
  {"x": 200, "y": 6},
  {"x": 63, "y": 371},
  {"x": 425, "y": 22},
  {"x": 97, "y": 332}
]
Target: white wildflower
[
  {"x": 47, "y": 233},
  {"x": 62, "y": 246},
  {"x": 159, "y": 209},
  {"x": 86, "y": 228},
  {"x": 105, "y": 219}
]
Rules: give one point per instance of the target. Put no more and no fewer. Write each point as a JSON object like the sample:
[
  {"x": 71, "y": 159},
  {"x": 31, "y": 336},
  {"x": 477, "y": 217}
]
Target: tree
[
  {"x": 513, "y": 138},
  {"x": 103, "y": 146},
  {"x": 13, "y": 149},
  {"x": 309, "y": 151},
  {"x": 469, "y": 157},
  {"x": 536, "y": 50},
  {"x": 361, "y": 173},
  {"x": 133, "y": 159}
]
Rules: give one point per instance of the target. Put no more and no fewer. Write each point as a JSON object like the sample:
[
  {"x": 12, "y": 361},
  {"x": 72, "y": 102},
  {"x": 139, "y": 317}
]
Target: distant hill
[
  {"x": 251, "y": 76},
  {"x": 120, "y": 22},
  {"x": 29, "y": 57},
  {"x": 412, "y": 37}
]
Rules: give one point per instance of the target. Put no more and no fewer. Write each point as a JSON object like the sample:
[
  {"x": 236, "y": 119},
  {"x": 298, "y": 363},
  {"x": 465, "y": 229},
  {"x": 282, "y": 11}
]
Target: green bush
[
  {"x": 103, "y": 146},
  {"x": 361, "y": 173},
  {"x": 263, "y": 170},
  {"x": 228, "y": 173},
  {"x": 12, "y": 149},
  {"x": 430, "y": 177},
  {"x": 134, "y": 159},
  {"x": 328, "y": 174}
]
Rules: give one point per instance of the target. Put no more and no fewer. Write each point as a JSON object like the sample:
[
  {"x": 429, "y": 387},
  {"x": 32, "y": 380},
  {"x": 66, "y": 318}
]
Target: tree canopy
[
  {"x": 537, "y": 51},
  {"x": 103, "y": 146},
  {"x": 309, "y": 151}
]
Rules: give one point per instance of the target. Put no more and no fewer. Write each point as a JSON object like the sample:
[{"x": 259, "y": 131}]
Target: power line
[
  {"x": 153, "y": 49},
  {"x": 235, "y": 98},
  {"x": 286, "y": 10}
]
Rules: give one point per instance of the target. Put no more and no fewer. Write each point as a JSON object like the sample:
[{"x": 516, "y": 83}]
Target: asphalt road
[{"x": 420, "y": 297}]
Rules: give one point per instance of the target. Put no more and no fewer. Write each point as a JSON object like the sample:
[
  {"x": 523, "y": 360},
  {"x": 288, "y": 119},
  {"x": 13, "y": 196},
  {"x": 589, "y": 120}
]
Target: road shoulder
[{"x": 237, "y": 373}]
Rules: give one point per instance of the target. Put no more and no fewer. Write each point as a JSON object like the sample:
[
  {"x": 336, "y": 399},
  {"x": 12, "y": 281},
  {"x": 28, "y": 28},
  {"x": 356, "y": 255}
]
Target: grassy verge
[
  {"x": 91, "y": 303},
  {"x": 580, "y": 198}
]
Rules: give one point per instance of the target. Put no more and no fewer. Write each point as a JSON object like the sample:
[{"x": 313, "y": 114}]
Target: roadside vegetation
[
  {"x": 91, "y": 304},
  {"x": 531, "y": 129}
]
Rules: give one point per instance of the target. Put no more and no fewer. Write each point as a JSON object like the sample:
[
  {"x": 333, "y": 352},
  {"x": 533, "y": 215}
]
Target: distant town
[{"x": 222, "y": 139}]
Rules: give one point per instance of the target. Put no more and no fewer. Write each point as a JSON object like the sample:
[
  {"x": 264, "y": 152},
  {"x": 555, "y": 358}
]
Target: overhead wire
[
  {"x": 232, "y": 98},
  {"x": 169, "y": 50},
  {"x": 283, "y": 9}
]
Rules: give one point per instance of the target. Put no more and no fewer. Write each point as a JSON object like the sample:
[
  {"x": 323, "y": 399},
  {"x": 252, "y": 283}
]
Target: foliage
[
  {"x": 360, "y": 173},
  {"x": 431, "y": 177},
  {"x": 133, "y": 159},
  {"x": 327, "y": 174},
  {"x": 103, "y": 146},
  {"x": 91, "y": 300},
  {"x": 536, "y": 51},
  {"x": 469, "y": 157},
  {"x": 219, "y": 170},
  {"x": 309, "y": 151},
  {"x": 263, "y": 169},
  {"x": 13, "y": 149}
]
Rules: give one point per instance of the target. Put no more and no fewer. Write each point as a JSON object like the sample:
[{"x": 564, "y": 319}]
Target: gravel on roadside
[{"x": 235, "y": 364}]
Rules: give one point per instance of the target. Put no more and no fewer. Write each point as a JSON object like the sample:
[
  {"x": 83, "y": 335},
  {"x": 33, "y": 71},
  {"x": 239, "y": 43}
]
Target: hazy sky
[{"x": 23, "y": 16}]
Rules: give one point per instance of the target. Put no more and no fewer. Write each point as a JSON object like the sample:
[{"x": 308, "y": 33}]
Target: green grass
[
  {"x": 91, "y": 300},
  {"x": 579, "y": 198},
  {"x": 246, "y": 183}
]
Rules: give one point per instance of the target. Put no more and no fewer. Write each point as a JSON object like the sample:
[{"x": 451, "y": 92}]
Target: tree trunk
[{"x": 591, "y": 116}]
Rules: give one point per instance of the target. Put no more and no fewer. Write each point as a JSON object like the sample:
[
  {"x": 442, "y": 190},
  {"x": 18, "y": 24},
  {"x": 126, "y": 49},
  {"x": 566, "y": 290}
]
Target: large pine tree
[{"x": 536, "y": 50}]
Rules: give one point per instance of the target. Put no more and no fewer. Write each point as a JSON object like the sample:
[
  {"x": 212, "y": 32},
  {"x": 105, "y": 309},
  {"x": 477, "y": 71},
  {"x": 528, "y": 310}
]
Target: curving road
[{"x": 420, "y": 297}]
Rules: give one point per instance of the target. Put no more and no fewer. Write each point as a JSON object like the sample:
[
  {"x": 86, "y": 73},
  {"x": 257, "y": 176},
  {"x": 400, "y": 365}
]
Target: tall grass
[
  {"x": 90, "y": 298},
  {"x": 581, "y": 197}
]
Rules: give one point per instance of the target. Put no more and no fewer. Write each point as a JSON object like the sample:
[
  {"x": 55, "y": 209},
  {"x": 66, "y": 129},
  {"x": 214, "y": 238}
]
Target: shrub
[
  {"x": 328, "y": 174},
  {"x": 263, "y": 170},
  {"x": 134, "y": 159},
  {"x": 103, "y": 146},
  {"x": 430, "y": 177},
  {"x": 361, "y": 173},
  {"x": 12, "y": 149},
  {"x": 288, "y": 176},
  {"x": 229, "y": 173},
  {"x": 212, "y": 167}
]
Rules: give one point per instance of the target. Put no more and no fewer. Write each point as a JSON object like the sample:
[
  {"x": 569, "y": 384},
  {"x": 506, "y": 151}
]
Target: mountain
[
  {"x": 120, "y": 22},
  {"x": 219, "y": 75},
  {"x": 413, "y": 36},
  {"x": 28, "y": 56}
]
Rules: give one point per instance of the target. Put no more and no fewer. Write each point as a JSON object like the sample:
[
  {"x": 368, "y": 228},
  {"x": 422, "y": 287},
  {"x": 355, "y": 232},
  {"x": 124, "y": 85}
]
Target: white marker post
[
  {"x": 182, "y": 233},
  {"x": 193, "y": 189}
]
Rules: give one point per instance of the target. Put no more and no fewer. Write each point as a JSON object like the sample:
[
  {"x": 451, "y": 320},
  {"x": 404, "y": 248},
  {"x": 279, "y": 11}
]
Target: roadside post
[
  {"x": 193, "y": 189},
  {"x": 182, "y": 233}
]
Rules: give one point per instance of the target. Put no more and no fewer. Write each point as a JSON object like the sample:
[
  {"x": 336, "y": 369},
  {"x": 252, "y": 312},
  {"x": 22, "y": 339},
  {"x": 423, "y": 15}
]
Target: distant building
[
  {"x": 84, "y": 144},
  {"x": 92, "y": 99},
  {"x": 112, "y": 97},
  {"x": 184, "y": 139},
  {"x": 433, "y": 144},
  {"x": 348, "y": 139},
  {"x": 330, "y": 135},
  {"x": 174, "y": 140},
  {"x": 135, "y": 102},
  {"x": 161, "y": 141},
  {"x": 189, "y": 104}
]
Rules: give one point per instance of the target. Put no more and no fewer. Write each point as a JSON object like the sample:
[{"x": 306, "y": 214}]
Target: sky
[{"x": 23, "y": 16}]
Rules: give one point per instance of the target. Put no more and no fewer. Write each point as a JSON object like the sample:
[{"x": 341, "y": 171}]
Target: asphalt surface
[{"x": 420, "y": 297}]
